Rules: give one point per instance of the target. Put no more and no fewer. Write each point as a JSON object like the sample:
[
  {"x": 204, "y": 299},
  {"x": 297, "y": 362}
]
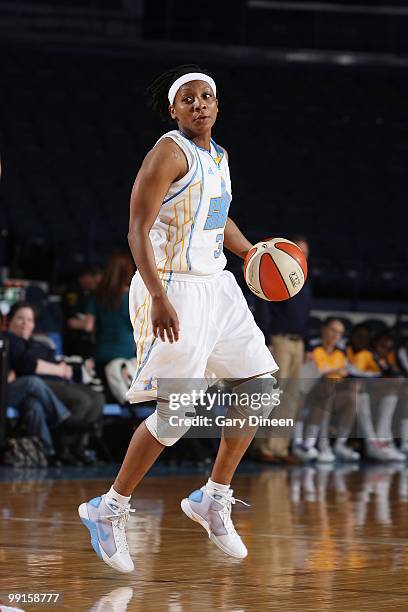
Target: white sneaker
[
  {"x": 115, "y": 601},
  {"x": 345, "y": 453},
  {"x": 305, "y": 454},
  {"x": 212, "y": 509},
  {"x": 404, "y": 448},
  {"x": 377, "y": 451},
  {"x": 106, "y": 520},
  {"x": 393, "y": 452},
  {"x": 326, "y": 455}
]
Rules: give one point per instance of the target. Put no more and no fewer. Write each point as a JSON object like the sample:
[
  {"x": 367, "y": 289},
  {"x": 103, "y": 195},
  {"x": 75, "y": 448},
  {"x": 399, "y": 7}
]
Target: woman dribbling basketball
[{"x": 190, "y": 317}]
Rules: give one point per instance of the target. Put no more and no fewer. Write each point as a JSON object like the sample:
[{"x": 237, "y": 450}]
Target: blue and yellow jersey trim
[{"x": 146, "y": 339}]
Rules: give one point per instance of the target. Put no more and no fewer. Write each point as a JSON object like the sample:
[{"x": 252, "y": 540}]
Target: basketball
[{"x": 275, "y": 269}]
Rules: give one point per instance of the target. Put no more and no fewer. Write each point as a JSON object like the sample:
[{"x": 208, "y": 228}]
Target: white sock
[
  {"x": 386, "y": 409},
  {"x": 217, "y": 486},
  {"x": 311, "y": 435},
  {"x": 114, "y": 496},
  {"x": 364, "y": 416},
  {"x": 298, "y": 433},
  {"x": 404, "y": 430},
  {"x": 343, "y": 434}
]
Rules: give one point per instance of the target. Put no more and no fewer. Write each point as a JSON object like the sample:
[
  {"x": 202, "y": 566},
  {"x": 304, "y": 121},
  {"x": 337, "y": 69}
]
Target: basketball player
[{"x": 189, "y": 316}]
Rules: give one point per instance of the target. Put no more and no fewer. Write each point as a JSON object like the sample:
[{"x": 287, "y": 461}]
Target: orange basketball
[{"x": 275, "y": 269}]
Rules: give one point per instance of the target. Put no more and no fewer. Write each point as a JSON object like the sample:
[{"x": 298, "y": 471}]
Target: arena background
[{"x": 313, "y": 113}]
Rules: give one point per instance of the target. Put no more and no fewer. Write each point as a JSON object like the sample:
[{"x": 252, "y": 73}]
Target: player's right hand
[{"x": 164, "y": 319}]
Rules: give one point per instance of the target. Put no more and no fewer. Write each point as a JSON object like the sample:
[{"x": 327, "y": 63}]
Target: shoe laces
[
  {"x": 226, "y": 499},
  {"x": 119, "y": 520}
]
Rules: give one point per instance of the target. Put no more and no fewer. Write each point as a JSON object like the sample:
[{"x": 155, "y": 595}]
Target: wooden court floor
[{"x": 319, "y": 540}]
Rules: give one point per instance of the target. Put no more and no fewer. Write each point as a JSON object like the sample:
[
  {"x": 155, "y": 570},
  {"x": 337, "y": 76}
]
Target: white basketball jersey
[{"x": 188, "y": 233}]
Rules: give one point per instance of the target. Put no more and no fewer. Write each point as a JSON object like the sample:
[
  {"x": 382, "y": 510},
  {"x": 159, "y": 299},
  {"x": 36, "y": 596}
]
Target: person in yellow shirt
[
  {"x": 331, "y": 360},
  {"x": 362, "y": 362},
  {"x": 329, "y": 394}
]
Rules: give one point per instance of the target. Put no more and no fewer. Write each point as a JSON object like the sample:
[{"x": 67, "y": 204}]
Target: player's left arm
[{"x": 234, "y": 239}]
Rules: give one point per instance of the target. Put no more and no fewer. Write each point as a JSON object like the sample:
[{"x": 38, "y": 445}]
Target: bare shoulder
[
  {"x": 164, "y": 156},
  {"x": 167, "y": 147},
  {"x": 167, "y": 153}
]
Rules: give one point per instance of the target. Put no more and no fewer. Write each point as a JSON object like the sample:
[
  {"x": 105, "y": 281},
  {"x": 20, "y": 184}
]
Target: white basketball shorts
[{"x": 218, "y": 334}]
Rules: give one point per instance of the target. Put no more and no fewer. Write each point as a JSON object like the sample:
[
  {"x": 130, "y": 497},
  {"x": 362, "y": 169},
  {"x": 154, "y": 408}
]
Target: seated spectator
[
  {"x": 384, "y": 357},
  {"x": 359, "y": 355},
  {"x": 402, "y": 364},
  {"x": 43, "y": 413},
  {"x": 28, "y": 357},
  {"x": 372, "y": 364},
  {"x": 386, "y": 393},
  {"x": 78, "y": 338},
  {"x": 329, "y": 394},
  {"x": 109, "y": 311}
]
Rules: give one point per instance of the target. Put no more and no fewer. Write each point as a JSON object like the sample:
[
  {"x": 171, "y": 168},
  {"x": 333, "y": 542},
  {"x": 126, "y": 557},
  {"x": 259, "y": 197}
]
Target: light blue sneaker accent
[
  {"x": 105, "y": 520},
  {"x": 94, "y": 535},
  {"x": 196, "y": 496},
  {"x": 95, "y": 501}
]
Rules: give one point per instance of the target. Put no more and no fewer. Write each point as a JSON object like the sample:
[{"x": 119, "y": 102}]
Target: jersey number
[{"x": 220, "y": 239}]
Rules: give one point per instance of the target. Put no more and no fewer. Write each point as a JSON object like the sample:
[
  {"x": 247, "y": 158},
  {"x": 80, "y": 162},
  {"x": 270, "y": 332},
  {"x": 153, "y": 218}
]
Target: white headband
[{"x": 186, "y": 78}]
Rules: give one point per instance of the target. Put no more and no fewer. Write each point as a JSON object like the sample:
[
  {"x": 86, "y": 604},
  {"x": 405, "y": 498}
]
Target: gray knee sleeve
[
  {"x": 167, "y": 425},
  {"x": 258, "y": 396}
]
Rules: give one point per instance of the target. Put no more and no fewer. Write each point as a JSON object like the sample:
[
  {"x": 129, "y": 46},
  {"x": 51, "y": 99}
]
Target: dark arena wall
[{"x": 312, "y": 150}]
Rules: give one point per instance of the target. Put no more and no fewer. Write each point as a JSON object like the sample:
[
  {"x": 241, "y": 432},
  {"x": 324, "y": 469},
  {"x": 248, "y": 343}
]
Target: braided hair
[{"x": 157, "y": 92}]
